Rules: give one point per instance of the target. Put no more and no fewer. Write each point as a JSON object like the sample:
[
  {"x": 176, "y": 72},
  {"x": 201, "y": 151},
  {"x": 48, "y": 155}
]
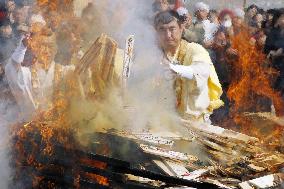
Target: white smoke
[
  {"x": 150, "y": 96},
  {"x": 8, "y": 116}
]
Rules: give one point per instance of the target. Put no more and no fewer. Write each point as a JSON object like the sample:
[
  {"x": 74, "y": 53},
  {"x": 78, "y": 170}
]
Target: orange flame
[{"x": 252, "y": 78}]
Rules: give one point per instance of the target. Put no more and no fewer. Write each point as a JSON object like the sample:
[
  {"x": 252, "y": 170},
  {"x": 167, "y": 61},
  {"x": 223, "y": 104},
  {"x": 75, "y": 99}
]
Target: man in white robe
[{"x": 19, "y": 80}]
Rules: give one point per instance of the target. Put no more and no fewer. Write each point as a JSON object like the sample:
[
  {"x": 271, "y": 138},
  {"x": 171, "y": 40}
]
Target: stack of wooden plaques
[
  {"x": 235, "y": 155},
  {"x": 96, "y": 68}
]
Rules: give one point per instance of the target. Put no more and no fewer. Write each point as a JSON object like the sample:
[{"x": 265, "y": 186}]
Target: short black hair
[
  {"x": 166, "y": 17},
  {"x": 271, "y": 11},
  {"x": 261, "y": 11},
  {"x": 277, "y": 15},
  {"x": 213, "y": 11},
  {"x": 253, "y": 6}
]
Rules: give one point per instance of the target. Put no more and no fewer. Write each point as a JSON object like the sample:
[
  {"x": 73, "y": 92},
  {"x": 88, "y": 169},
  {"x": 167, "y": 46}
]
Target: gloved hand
[{"x": 183, "y": 71}]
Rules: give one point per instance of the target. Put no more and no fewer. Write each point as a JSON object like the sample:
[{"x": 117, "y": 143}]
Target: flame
[
  {"x": 252, "y": 78},
  {"x": 55, "y": 5},
  {"x": 97, "y": 164},
  {"x": 52, "y": 125}
]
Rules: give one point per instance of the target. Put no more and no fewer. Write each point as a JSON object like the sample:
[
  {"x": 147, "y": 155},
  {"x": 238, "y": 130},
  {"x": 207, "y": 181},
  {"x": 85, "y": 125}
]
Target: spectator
[
  {"x": 160, "y": 5},
  {"x": 225, "y": 17},
  {"x": 274, "y": 48},
  {"x": 20, "y": 26},
  {"x": 221, "y": 51},
  {"x": 202, "y": 12},
  {"x": 213, "y": 17},
  {"x": 257, "y": 21},
  {"x": 238, "y": 21},
  {"x": 251, "y": 12},
  {"x": 259, "y": 39},
  {"x": 10, "y": 5},
  {"x": 221, "y": 47},
  {"x": 193, "y": 33},
  {"x": 267, "y": 25}
]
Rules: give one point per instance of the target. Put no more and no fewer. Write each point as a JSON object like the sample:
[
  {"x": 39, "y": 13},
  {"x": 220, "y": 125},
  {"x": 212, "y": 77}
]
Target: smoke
[
  {"x": 8, "y": 113},
  {"x": 149, "y": 98},
  {"x": 148, "y": 102}
]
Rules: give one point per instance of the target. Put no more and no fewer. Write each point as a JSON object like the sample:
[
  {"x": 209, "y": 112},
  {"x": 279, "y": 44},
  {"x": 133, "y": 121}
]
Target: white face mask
[{"x": 227, "y": 23}]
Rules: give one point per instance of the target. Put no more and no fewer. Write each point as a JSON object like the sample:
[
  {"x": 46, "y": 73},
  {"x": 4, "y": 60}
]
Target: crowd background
[
  {"x": 221, "y": 4},
  {"x": 219, "y": 30}
]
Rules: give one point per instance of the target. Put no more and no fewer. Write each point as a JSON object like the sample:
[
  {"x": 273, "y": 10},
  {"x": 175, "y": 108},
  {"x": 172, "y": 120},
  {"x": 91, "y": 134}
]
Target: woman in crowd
[{"x": 225, "y": 18}]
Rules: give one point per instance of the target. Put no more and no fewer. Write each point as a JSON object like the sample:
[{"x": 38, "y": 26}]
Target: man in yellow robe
[{"x": 196, "y": 86}]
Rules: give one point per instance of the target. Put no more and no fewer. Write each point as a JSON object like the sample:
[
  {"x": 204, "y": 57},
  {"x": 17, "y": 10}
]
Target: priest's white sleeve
[
  {"x": 198, "y": 71},
  {"x": 19, "y": 80},
  {"x": 183, "y": 71}
]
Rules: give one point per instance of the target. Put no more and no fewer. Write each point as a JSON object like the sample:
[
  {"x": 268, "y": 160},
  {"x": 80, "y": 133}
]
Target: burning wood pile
[
  {"x": 73, "y": 166},
  {"x": 48, "y": 154},
  {"x": 116, "y": 159}
]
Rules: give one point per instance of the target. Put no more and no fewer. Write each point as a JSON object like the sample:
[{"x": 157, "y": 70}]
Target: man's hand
[{"x": 183, "y": 71}]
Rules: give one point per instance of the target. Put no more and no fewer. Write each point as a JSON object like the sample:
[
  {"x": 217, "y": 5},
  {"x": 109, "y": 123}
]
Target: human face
[
  {"x": 202, "y": 14},
  {"x": 169, "y": 35},
  {"x": 280, "y": 21},
  {"x": 220, "y": 40},
  {"x": 227, "y": 17},
  {"x": 20, "y": 16},
  {"x": 237, "y": 22},
  {"x": 269, "y": 17},
  {"x": 188, "y": 21},
  {"x": 227, "y": 21},
  {"x": 258, "y": 18},
  {"x": 162, "y": 5},
  {"x": 10, "y": 5},
  {"x": 252, "y": 12},
  {"x": 6, "y": 31},
  {"x": 213, "y": 18}
]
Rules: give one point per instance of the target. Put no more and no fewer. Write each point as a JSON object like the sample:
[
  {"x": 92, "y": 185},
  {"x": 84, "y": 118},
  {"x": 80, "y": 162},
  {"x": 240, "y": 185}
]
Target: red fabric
[
  {"x": 178, "y": 4},
  {"x": 2, "y": 15}
]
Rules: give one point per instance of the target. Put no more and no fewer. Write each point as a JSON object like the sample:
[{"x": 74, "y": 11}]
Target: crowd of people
[{"x": 215, "y": 30}]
